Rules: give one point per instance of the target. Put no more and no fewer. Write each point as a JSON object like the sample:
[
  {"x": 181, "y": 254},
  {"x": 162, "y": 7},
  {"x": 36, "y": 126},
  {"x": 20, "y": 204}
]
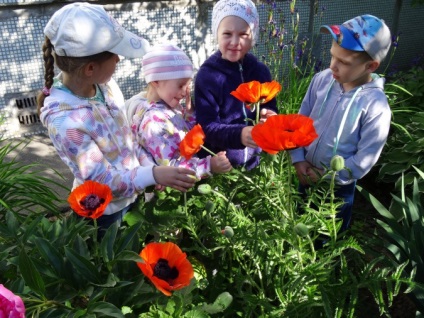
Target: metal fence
[{"x": 186, "y": 23}]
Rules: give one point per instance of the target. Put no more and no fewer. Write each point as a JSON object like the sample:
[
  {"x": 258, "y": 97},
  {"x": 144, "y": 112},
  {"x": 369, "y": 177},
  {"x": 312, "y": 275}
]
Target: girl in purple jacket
[{"x": 235, "y": 25}]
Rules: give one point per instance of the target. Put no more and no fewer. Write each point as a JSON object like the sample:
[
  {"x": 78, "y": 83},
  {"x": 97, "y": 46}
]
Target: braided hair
[{"x": 68, "y": 64}]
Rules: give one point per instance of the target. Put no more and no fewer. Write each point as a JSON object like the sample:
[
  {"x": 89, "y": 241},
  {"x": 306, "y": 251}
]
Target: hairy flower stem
[
  {"x": 311, "y": 244},
  {"x": 190, "y": 224},
  {"x": 299, "y": 255},
  {"x": 96, "y": 241},
  {"x": 39, "y": 304},
  {"x": 185, "y": 203},
  {"x": 212, "y": 153},
  {"x": 332, "y": 197},
  {"x": 258, "y": 111},
  {"x": 289, "y": 182}
]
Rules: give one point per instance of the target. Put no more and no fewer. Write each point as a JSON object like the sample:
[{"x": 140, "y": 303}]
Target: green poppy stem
[
  {"x": 286, "y": 156},
  {"x": 258, "y": 111},
  {"x": 333, "y": 181},
  {"x": 96, "y": 241},
  {"x": 212, "y": 153},
  {"x": 185, "y": 203}
]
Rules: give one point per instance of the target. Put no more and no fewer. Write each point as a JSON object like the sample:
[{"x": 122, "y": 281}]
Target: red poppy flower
[
  {"x": 192, "y": 142},
  {"x": 269, "y": 90},
  {"x": 248, "y": 93},
  {"x": 284, "y": 132},
  {"x": 90, "y": 199},
  {"x": 166, "y": 266}
]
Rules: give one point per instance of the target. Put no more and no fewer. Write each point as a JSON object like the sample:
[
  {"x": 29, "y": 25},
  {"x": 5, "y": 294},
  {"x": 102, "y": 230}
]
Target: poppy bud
[
  {"x": 228, "y": 231},
  {"x": 337, "y": 163},
  {"x": 301, "y": 229},
  {"x": 204, "y": 189},
  {"x": 210, "y": 206},
  {"x": 224, "y": 300}
]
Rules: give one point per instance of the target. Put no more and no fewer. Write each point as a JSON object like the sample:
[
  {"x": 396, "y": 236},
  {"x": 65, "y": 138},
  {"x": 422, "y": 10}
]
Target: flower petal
[
  {"x": 192, "y": 142},
  {"x": 90, "y": 188},
  {"x": 248, "y": 93},
  {"x": 269, "y": 90},
  {"x": 174, "y": 257},
  {"x": 284, "y": 132}
]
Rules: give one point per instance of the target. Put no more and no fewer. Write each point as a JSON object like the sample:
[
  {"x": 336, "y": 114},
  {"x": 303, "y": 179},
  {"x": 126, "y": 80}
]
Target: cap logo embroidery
[{"x": 135, "y": 43}]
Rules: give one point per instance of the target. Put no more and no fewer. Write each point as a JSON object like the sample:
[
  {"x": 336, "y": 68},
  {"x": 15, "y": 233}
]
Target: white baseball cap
[{"x": 81, "y": 29}]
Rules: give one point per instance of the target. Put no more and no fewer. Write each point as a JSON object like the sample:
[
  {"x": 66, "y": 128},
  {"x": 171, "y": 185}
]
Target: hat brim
[
  {"x": 344, "y": 37},
  {"x": 131, "y": 46}
]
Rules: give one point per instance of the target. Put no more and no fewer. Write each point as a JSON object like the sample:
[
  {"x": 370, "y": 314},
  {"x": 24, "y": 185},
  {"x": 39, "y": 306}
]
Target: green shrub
[
  {"x": 403, "y": 225},
  {"x": 406, "y": 141}
]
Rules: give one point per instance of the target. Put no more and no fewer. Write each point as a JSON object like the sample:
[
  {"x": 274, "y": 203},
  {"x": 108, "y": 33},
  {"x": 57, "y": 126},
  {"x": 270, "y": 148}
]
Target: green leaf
[
  {"x": 51, "y": 255},
  {"x": 30, "y": 274},
  {"x": 32, "y": 227},
  {"x": 377, "y": 205},
  {"x": 104, "y": 309},
  {"x": 128, "y": 236},
  {"x": 128, "y": 256},
  {"x": 83, "y": 266},
  {"x": 106, "y": 245},
  {"x": 12, "y": 223}
]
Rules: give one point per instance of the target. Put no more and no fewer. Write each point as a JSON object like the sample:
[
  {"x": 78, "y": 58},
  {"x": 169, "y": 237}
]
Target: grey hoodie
[{"x": 353, "y": 124}]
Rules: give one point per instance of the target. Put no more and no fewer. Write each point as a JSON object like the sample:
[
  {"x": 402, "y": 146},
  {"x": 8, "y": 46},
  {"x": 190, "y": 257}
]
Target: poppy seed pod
[
  {"x": 223, "y": 300},
  {"x": 228, "y": 231},
  {"x": 337, "y": 163},
  {"x": 204, "y": 189},
  {"x": 209, "y": 207},
  {"x": 301, "y": 229}
]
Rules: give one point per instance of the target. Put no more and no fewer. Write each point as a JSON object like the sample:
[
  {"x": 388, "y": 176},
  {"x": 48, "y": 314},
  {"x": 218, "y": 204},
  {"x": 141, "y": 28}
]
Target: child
[
  {"x": 159, "y": 120},
  {"x": 235, "y": 25},
  {"x": 82, "y": 106},
  {"x": 349, "y": 108}
]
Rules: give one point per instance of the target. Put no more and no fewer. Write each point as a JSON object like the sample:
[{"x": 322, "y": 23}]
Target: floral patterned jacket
[
  {"x": 95, "y": 140},
  {"x": 160, "y": 129}
]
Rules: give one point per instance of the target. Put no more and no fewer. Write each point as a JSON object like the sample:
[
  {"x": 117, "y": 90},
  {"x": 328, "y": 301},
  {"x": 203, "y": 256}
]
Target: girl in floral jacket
[
  {"x": 82, "y": 107},
  {"x": 159, "y": 120}
]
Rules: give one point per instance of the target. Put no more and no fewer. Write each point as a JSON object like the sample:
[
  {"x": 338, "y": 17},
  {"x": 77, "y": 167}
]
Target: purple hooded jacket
[{"x": 221, "y": 115}]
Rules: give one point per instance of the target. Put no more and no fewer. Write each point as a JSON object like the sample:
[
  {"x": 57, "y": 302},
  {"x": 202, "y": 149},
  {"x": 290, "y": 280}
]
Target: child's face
[
  {"x": 234, "y": 38},
  {"x": 172, "y": 91},
  {"x": 106, "y": 69},
  {"x": 351, "y": 69}
]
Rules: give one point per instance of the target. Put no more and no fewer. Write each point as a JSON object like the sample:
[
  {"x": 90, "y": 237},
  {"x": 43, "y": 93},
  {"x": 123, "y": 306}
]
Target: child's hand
[
  {"x": 246, "y": 137},
  {"x": 265, "y": 113},
  {"x": 159, "y": 187},
  {"x": 302, "y": 168},
  {"x": 220, "y": 163},
  {"x": 178, "y": 178},
  {"x": 314, "y": 173}
]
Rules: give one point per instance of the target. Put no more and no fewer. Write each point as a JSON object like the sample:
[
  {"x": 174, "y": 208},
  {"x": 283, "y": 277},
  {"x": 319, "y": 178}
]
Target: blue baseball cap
[{"x": 365, "y": 33}]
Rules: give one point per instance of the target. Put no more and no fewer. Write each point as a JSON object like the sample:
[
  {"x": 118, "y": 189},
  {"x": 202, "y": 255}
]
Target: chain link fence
[{"x": 185, "y": 23}]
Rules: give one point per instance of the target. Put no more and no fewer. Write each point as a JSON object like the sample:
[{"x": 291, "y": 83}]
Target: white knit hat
[
  {"x": 166, "y": 62},
  {"x": 81, "y": 29},
  {"x": 244, "y": 9}
]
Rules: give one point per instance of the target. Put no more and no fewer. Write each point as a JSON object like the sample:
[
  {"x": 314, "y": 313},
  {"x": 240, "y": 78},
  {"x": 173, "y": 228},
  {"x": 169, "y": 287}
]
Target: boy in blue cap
[{"x": 349, "y": 108}]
